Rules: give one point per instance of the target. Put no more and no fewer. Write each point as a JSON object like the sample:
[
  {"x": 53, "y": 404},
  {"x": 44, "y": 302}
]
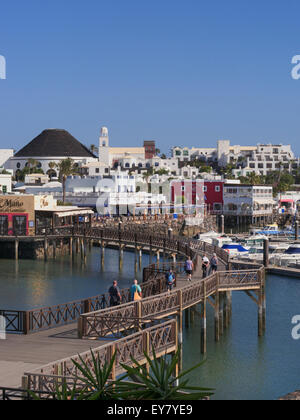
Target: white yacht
[{"x": 291, "y": 256}]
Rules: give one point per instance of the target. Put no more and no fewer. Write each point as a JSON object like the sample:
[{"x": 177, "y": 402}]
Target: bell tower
[{"x": 104, "y": 146}]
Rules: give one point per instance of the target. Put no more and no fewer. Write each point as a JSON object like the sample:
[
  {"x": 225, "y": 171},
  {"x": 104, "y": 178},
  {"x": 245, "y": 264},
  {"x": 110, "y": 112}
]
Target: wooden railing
[
  {"x": 154, "y": 278},
  {"x": 99, "y": 324},
  {"x": 15, "y": 321},
  {"x": 57, "y": 315},
  {"x": 162, "y": 337}
]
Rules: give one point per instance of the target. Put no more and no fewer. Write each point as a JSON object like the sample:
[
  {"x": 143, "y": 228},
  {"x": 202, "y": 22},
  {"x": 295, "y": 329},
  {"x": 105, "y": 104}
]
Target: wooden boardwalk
[
  {"x": 47, "y": 354},
  {"x": 23, "y": 353}
]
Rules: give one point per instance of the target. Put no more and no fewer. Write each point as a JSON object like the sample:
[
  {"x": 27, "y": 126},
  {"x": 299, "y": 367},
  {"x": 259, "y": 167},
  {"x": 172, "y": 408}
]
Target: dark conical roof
[{"x": 55, "y": 143}]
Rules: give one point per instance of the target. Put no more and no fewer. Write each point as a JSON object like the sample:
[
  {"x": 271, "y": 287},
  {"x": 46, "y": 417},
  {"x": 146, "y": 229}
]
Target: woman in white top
[{"x": 205, "y": 265}]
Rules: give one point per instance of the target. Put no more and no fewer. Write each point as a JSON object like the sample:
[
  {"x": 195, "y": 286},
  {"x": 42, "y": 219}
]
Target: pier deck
[{"x": 21, "y": 353}]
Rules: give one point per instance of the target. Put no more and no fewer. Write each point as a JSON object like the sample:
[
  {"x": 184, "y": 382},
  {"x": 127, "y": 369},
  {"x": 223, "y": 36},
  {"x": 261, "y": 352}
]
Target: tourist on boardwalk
[
  {"x": 136, "y": 291},
  {"x": 214, "y": 264},
  {"x": 170, "y": 278},
  {"x": 189, "y": 267},
  {"x": 205, "y": 265},
  {"x": 114, "y": 293}
]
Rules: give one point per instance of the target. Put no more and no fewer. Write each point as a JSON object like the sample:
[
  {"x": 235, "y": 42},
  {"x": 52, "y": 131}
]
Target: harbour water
[{"x": 241, "y": 366}]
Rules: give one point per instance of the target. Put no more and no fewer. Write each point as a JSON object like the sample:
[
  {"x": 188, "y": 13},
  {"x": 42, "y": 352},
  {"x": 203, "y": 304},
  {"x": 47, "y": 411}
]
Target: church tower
[{"x": 104, "y": 146}]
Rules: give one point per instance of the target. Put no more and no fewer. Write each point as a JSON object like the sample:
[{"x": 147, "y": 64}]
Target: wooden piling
[
  {"x": 266, "y": 253},
  {"x": 54, "y": 248},
  {"x": 16, "y": 249},
  {"x": 180, "y": 329},
  {"x": 71, "y": 247},
  {"x": 217, "y": 311},
  {"x": 187, "y": 318},
  {"x": 204, "y": 323},
  {"x": 221, "y": 313}
]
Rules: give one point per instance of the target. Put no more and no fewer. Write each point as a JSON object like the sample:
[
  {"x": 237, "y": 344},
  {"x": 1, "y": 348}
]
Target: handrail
[
  {"x": 162, "y": 337},
  {"x": 97, "y": 324}
]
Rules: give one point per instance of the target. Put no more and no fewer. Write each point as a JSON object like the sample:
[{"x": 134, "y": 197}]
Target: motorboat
[
  {"x": 235, "y": 249},
  {"x": 207, "y": 237},
  {"x": 268, "y": 230},
  {"x": 254, "y": 240},
  {"x": 290, "y": 256},
  {"x": 221, "y": 241}
]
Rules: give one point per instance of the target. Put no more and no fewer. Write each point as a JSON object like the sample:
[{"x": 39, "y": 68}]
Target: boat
[
  {"x": 290, "y": 256},
  {"x": 221, "y": 241},
  {"x": 207, "y": 237},
  {"x": 268, "y": 230},
  {"x": 235, "y": 249}
]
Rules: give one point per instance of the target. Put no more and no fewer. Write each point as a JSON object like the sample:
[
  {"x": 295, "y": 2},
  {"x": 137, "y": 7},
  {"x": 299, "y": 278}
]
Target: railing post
[
  {"x": 147, "y": 348},
  {"x": 26, "y": 322},
  {"x": 138, "y": 311},
  {"x": 86, "y": 306},
  {"x": 80, "y": 328},
  {"x": 113, "y": 353}
]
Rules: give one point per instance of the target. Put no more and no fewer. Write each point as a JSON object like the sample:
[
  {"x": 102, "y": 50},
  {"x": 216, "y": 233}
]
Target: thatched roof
[{"x": 55, "y": 143}]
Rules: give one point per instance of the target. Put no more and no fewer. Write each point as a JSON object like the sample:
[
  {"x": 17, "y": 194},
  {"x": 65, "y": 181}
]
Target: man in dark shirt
[{"x": 114, "y": 293}]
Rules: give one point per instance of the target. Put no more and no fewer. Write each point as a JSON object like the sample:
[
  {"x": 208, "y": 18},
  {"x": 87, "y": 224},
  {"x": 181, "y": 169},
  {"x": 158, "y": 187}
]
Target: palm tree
[
  {"x": 52, "y": 166},
  {"x": 32, "y": 163},
  {"x": 66, "y": 168},
  {"x": 254, "y": 179},
  {"x": 94, "y": 149}
]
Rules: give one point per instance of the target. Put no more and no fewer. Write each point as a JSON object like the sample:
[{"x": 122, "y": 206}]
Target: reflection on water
[
  {"x": 242, "y": 366},
  {"x": 32, "y": 284}
]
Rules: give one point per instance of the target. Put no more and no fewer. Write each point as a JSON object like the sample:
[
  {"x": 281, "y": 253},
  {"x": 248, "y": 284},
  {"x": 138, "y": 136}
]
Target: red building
[
  {"x": 197, "y": 194},
  {"x": 150, "y": 149},
  {"x": 213, "y": 194}
]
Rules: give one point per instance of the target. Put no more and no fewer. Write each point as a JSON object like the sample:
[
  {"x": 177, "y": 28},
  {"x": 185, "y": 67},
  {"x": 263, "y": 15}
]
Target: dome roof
[{"x": 55, "y": 143}]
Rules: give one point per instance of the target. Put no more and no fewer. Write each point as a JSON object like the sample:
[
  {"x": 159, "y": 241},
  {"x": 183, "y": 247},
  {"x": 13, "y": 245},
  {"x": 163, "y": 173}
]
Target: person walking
[
  {"x": 135, "y": 291},
  {"x": 170, "y": 280},
  {"x": 205, "y": 265},
  {"x": 115, "y": 295},
  {"x": 189, "y": 267},
  {"x": 214, "y": 262}
]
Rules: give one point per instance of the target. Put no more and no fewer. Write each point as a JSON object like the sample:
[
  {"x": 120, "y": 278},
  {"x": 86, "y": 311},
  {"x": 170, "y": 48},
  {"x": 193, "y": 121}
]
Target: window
[
  {"x": 218, "y": 188},
  {"x": 97, "y": 170},
  {"x": 18, "y": 165},
  {"x": 205, "y": 188}
]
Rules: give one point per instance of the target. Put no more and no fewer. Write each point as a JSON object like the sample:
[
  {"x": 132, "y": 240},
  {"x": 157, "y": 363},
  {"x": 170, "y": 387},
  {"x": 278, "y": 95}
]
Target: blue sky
[{"x": 180, "y": 72}]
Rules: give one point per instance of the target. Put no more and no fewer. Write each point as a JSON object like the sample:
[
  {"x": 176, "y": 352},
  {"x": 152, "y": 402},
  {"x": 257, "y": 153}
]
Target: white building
[
  {"x": 5, "y": 183},
  {"x": 111, "y": 156},
  {"x": 270, "y": 158},
  {"x": 248, "y": 200},
  {"x": 5, "y": 155},
  {"x": 260, "y": 159},
  {"x": 115, "y": 194}
]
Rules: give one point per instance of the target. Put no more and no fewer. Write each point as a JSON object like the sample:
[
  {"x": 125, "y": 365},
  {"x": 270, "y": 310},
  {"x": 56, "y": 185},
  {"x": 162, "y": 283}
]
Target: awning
[{"x": 77, "y": 212}]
